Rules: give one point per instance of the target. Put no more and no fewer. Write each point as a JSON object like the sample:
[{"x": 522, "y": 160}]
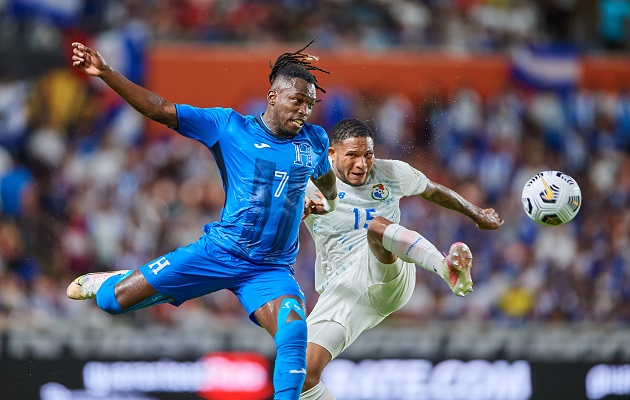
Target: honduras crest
[{"x": 379, "y": 192}]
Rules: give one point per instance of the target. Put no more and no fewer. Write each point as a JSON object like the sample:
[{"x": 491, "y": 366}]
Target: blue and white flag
[
  {"x": 62, "y": 13},
  {"x": 549, "y": 67}
]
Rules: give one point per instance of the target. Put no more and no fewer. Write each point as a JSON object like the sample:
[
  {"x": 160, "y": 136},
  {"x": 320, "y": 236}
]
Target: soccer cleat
[
  {"x": 458, "y": 263},
  {"x": 86, "y": 286}
]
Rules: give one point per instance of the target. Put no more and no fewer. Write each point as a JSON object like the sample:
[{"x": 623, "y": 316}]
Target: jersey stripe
[
  {"x": 292, "y": 206},
  {"x": 261, "y": 197}
]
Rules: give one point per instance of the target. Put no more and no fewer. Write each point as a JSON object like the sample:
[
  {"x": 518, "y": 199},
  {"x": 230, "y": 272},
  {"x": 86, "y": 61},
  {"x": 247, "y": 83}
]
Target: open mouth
[
  {"x": 298, "y": 122},
  {"x": 357, "y": 177}
]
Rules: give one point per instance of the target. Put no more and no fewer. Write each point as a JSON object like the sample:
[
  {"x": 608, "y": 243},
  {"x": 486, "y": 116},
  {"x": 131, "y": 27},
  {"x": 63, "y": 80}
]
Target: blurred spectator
[
  {"x": 18, "y": 194},
  {"x": 392, "y": 119},
  {"x": 614, "y": 21},
  {"x": 13, "y": 112},
  {"x": 13, "y": 256}
]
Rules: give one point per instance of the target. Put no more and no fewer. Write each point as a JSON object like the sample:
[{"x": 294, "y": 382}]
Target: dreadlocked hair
[
  {"x": 350, "y": 128},
  {"x": 296, "y": 65}
]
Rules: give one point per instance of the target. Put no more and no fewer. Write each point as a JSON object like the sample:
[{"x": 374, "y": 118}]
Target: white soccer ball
[{"x": 551, "y": 198}]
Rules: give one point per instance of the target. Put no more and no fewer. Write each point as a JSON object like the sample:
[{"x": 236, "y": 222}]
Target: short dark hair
[
  {"x": 296, "y": 65},
  {"x": 350, "y": 128}
]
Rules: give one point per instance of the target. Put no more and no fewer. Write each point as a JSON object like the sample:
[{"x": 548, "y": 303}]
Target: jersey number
[
  {"x": 284, "y": 177},
  {"x": 369, "y": 215},
  {"x": 263, "y": 183}
]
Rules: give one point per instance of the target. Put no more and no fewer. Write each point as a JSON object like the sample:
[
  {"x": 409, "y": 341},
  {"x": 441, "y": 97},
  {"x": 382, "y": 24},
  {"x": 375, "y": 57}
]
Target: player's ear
[
  {"x": 271, "y": 97},
  {"x": 331, "y": 151}
]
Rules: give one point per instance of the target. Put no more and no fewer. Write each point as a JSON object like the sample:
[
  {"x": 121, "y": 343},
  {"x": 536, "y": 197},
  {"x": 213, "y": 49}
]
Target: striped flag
[{"x": 548, "y": 67}]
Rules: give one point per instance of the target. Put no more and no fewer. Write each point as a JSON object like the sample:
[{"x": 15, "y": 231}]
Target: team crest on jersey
[
  {"x": 303, "y": 154},
  {"x": 379, "y": 192}
]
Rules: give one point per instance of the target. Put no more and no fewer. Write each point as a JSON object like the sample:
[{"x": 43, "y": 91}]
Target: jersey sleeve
[
  {"x": 323, "y": 164},
  {"x": 411, "y": 180},
  {"x": 203, "y": 124}
]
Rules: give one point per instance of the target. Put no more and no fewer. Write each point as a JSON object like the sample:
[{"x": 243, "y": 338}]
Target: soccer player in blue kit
[{"x": 265, "y": 163}]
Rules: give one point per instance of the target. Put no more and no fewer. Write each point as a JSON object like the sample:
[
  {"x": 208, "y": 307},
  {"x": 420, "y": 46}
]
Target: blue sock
[
  {"x": 290, "y": 369},
  {"x": 105, "y": 297}
]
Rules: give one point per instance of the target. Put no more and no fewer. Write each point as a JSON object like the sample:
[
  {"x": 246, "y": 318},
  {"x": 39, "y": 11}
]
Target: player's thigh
[
  {"x": 326, "y": 340},
  {"x": 343, "y": 311},
  {"x": 390, "y": 294},
  {"x": 191, "y": 271},
  {"x": 336, "y": 326},
  {"x": 265, "y": 286}
]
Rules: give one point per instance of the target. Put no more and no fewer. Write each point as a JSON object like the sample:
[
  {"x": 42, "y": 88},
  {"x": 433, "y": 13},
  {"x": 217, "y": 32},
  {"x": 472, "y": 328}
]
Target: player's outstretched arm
[
  {"x": 327, "y": 185},
  {"x": 441, "y": 195},
  {"x": 144, "y": 101}
]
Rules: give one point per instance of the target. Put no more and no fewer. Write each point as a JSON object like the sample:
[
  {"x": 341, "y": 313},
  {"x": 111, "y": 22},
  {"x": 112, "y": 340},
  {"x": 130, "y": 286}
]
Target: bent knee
[
  {"x": 376, "y": 228},
  {"x": 295, "y": 329},
  {"x": 291, "y": 323},
  {"x": 295, "y": 332},
  {"x": 378, "y": 224}
]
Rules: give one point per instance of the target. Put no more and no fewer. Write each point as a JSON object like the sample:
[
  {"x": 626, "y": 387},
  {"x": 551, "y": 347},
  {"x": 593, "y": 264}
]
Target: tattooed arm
[{"x": 441, "y": 195}]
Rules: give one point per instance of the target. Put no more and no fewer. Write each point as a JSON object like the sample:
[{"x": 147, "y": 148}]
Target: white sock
[
  {"x": 411, "y": 247},
  {"x": 319, "y": 392}
]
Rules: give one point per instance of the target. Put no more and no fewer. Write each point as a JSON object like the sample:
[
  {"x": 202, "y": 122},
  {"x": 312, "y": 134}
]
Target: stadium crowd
[{"x": 83, "y": 188}]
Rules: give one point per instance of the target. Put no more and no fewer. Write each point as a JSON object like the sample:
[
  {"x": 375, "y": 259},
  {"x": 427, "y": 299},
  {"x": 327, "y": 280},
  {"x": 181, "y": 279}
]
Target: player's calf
[
  {"x": 291, "y": 336},
  {"x": 412, "y": 247}
]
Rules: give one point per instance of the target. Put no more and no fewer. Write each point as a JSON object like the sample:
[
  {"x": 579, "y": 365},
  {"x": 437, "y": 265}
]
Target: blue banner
[{"x": 546, "y": 67}]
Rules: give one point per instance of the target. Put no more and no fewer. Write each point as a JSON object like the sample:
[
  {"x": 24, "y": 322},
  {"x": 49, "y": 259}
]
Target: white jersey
[{"x": 342, "y": 233}]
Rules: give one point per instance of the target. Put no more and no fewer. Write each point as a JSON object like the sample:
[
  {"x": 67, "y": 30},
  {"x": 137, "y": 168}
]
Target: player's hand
[
  {"x": 308, "y": 205},
  {"x": 87, "y": 60},
  {"x": 488, "y": 219},
  {"x": 313, "y": 206}
]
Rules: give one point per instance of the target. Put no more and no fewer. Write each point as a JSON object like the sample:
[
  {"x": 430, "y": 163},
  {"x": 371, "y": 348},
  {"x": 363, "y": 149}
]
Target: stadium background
[{"x": 477, "y": 94}]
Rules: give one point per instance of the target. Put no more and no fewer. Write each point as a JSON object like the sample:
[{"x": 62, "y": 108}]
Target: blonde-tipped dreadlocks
[{"x": 296, "y": 65}]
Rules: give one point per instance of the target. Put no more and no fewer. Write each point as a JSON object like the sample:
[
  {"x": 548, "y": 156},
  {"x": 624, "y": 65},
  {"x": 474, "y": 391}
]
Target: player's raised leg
[{"x": 386, "y": 238}]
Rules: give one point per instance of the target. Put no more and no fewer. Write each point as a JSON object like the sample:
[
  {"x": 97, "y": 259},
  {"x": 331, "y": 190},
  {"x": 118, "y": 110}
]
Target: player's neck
[{"x": 273, "y": 132}]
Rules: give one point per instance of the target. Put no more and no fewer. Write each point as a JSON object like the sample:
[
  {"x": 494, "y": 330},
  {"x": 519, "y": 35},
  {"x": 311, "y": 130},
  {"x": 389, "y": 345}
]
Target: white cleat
[
  {"x": 458, "y": 263},
  {"x": 86, "y": 286}
]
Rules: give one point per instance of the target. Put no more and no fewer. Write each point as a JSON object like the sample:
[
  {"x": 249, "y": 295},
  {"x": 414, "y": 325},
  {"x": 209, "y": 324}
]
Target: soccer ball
[{"x": 551, "y": 198}]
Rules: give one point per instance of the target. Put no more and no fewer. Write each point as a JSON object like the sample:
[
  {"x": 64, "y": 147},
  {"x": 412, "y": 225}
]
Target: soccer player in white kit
[{"x": 366, "y": 262}]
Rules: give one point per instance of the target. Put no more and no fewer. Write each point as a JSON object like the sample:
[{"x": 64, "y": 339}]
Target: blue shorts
[{"x": 201, "y": 268}]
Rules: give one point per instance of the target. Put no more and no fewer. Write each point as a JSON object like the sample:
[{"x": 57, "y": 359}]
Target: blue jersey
[{"x": 264, "y": 179}]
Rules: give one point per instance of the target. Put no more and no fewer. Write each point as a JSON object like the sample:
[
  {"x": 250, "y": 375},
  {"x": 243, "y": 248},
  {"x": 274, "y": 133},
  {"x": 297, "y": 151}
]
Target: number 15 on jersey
[{"x": 360, "y": 214}]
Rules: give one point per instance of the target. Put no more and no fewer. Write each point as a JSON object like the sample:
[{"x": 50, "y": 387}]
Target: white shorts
[{"x": 357, "y": 300}]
